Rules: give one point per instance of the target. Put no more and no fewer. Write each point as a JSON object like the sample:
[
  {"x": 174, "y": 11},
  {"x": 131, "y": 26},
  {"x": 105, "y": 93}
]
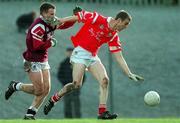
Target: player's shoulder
[
  {"x": 90, "y": 14},
  {"x": 38, "y": 29},
  {"x": 38, "y": 22},
  {"x": 99, "y": 18},
  {"x": 38, "y": 25}
]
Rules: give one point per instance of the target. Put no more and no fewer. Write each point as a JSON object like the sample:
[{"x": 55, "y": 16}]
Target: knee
[
  {"x": 69, "y": 87},
  {"x": 72, "y": 86},
  {"x": 39, "y": 91},
  {"x": 105, "y": 82},
  {"x": 77, "y": 85},
  {"x": 46, "y": 90}
]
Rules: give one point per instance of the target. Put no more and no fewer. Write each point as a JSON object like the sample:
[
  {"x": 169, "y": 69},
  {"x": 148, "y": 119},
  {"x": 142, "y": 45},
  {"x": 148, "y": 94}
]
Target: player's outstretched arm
[
  {"x": 63, "y": 23},
  {"x": 72, "y": 18},
  {"x": 121, "y": 61},
  {"x": 67, "y": 22}
]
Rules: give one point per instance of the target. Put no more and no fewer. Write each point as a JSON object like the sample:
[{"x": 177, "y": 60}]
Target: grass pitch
[{"x": 164, "y": 120}]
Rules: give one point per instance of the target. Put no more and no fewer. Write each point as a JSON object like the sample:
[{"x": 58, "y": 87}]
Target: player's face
[
  {"x": 120, "y": 25},
  {"x": 68, "y": 53},
  {"x": 50, "y": 14}
]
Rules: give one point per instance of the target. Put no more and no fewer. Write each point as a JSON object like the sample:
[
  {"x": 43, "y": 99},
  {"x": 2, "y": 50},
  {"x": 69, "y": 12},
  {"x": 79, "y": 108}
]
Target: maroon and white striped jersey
[{"x": 38, "y": 40}]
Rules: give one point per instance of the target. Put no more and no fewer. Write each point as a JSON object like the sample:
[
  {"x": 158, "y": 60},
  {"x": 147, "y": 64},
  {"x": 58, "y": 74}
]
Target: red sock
[
  {"x": 55, "y": 97},
  {"x": 102, "y": 108}
]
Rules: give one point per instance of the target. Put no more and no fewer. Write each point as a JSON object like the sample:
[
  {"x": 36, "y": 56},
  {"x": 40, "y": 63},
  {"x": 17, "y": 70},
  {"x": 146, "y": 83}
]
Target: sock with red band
[
  {"x": 55, "y": 98},
  {"x": 102, "y": 108}
]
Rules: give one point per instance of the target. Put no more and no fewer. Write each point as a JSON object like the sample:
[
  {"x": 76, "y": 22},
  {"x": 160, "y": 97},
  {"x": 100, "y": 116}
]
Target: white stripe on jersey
[
  {"x": 95, "y": 18},
  {"x": 80, "y": 15},
  {"x": 36, "y": 38},
  {"x": 113, "y": 37},
  {"x": 35, "y": 27},
  {"x": 108, "y": 19}
]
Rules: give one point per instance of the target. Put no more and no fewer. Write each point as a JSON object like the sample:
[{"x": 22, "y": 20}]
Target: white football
[{"x": 152, "y": 98}]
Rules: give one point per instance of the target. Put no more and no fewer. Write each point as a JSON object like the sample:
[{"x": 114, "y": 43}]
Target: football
[{"x": 152, "y": 98}]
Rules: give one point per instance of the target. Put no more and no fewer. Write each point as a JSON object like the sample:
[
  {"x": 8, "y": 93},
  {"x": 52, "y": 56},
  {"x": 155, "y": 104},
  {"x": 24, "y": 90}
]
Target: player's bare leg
[
  {"x": 100, "y": 74},
  {"x": 40, "y": 87},
  {"x": 27, "y": 88},
  {"x": 18, "y": 86},
  {"x": 78, "y": 73},
  {"x": 41, "y": 82},
  {"x": 44, "y": 85},
  {"x": 37, "y": 81}
]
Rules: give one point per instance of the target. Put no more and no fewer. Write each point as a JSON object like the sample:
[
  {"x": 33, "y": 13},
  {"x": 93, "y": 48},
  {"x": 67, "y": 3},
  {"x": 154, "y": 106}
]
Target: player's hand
[
  {"x": 77, "y": 9},
  {"x": 53, "y": 42},
  {"x": 53, "y": 21},
  {"x": 135, "y": 77}
]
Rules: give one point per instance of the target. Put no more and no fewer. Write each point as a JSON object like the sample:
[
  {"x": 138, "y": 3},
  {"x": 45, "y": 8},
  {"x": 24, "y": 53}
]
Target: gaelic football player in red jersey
[
  {"x": 38, "y": 40},
  {"x": 96, "y": 31}
]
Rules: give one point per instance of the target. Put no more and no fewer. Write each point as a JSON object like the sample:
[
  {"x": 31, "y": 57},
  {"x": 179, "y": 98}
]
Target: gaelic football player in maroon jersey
[{"x": 38, "y": 40}]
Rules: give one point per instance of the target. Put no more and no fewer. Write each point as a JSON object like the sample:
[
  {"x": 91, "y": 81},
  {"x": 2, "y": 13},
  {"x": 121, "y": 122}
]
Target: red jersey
[
  {"x": 95, "y": 32},
  {"x": 38, "y": 40}
]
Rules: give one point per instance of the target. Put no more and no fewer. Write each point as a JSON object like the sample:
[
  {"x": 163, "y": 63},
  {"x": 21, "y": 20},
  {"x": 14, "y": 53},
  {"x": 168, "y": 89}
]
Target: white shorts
[
  {"x": 35, "y": 66},
  {"x": 80, "y": 55}
]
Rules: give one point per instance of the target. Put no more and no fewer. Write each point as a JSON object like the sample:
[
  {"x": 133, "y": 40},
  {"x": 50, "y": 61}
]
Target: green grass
[{"x": 95, "y": 121}]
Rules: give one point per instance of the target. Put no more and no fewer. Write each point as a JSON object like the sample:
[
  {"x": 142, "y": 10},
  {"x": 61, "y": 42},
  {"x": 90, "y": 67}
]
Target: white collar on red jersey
[{"x": 108, "y": 20}]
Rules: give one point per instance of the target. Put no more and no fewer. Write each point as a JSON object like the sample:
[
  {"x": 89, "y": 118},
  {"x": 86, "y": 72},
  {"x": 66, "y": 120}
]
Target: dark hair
[
  {"x": 123, "y": 15},
  {"x": 46, "y": 6},
  {"x": 69, "y": 49}
]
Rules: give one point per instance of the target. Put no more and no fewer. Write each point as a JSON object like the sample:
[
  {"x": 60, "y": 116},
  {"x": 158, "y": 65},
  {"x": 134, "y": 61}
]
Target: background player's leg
[
  {"x": 76, "y": 104},
  {"x": 68, "y": 105}
]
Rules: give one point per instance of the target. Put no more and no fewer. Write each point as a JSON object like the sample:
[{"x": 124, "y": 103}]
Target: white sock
[
  {"x": 29, "y": 114},
  {"x": 18, "y": 86},
  {"x": 33, "y": 108}
]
